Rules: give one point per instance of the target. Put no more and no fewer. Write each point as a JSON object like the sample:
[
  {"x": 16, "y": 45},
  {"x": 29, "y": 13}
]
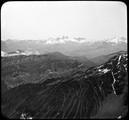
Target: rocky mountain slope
[
  {"x": 18, "y": 69},
  {"x": 99, "y": 92}
]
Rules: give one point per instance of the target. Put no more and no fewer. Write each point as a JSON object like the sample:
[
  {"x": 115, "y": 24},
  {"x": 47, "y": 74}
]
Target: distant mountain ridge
[
  {"x": 68, "y": 46},
  {"x": 19, "y": 52}
]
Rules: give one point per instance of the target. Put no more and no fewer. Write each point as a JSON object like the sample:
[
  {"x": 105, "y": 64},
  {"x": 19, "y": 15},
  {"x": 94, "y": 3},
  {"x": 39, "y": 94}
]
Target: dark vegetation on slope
[
  {"x": 21, "y": 69},
  {"x": 82, "y": 94}
]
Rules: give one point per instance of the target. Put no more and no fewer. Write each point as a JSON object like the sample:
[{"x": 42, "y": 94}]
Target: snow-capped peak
[
  {"x": 3, "y": 54},
  {"x": 65, "y": 40},
  {"x": 117, "y": 40}
]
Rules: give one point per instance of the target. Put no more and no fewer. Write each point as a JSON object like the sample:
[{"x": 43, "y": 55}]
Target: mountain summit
[{"x": 117, "y": 40}]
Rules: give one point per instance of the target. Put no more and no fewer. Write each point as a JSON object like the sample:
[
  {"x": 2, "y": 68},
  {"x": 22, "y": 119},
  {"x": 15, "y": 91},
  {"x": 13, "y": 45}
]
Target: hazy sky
[{"x": 42, "y": 20}]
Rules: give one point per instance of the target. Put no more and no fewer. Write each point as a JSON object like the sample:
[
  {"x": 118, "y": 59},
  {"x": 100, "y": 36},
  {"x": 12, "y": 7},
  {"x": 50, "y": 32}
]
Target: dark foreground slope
[{"x": 99, "y": 92}]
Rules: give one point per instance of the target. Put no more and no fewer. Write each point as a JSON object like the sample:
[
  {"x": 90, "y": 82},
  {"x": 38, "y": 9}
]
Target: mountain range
[
  {"x": 68, "y": 46},
  {"x": 97, "y": 92},
  {"x": 64, "y": 78}
]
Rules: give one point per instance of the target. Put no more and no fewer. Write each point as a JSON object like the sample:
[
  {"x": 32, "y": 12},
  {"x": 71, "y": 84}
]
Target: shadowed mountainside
[
  {"x": 87, "y": 62},
  {"x": 21, "y": 69}
]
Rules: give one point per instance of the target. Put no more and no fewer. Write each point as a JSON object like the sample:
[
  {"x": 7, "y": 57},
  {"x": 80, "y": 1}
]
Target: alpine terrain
[{"x": 97, "y": 92}]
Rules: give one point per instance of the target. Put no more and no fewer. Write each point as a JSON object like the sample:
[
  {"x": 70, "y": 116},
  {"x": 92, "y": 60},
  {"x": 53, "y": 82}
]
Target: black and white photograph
[{"x": 64, "y": 60}]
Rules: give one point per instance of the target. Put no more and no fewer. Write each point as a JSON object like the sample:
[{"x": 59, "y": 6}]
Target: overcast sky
[{"x": 42, "y": 20}]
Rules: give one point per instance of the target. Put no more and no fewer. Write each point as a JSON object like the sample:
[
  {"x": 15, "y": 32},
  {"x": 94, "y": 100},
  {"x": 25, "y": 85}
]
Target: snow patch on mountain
[
  {"x": 3, "y": 54},
  {"x": 114, "y": 80},
  {"x": 19, "y": 52},
  {"x": 63, "y": 40},
  {"x": 117, "y": 40},
  {"x": 119, "y": 60},
  {"x": 104, "y": 70}
]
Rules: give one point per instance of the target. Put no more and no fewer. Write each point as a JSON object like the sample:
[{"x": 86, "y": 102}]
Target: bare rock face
[{"x": 99, "y": 92}]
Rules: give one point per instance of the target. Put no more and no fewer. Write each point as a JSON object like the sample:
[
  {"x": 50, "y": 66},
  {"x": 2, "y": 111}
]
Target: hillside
[
  {"x": 99, "y": 92},
  {"x": 103, "y": 58},
  {"x": 21, "y": 69},
  {"x": 86, "y": 61}
]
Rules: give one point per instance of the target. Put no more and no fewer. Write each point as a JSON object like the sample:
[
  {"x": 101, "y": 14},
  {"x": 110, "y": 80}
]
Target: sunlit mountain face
[{"x": 99, "y": 91}]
